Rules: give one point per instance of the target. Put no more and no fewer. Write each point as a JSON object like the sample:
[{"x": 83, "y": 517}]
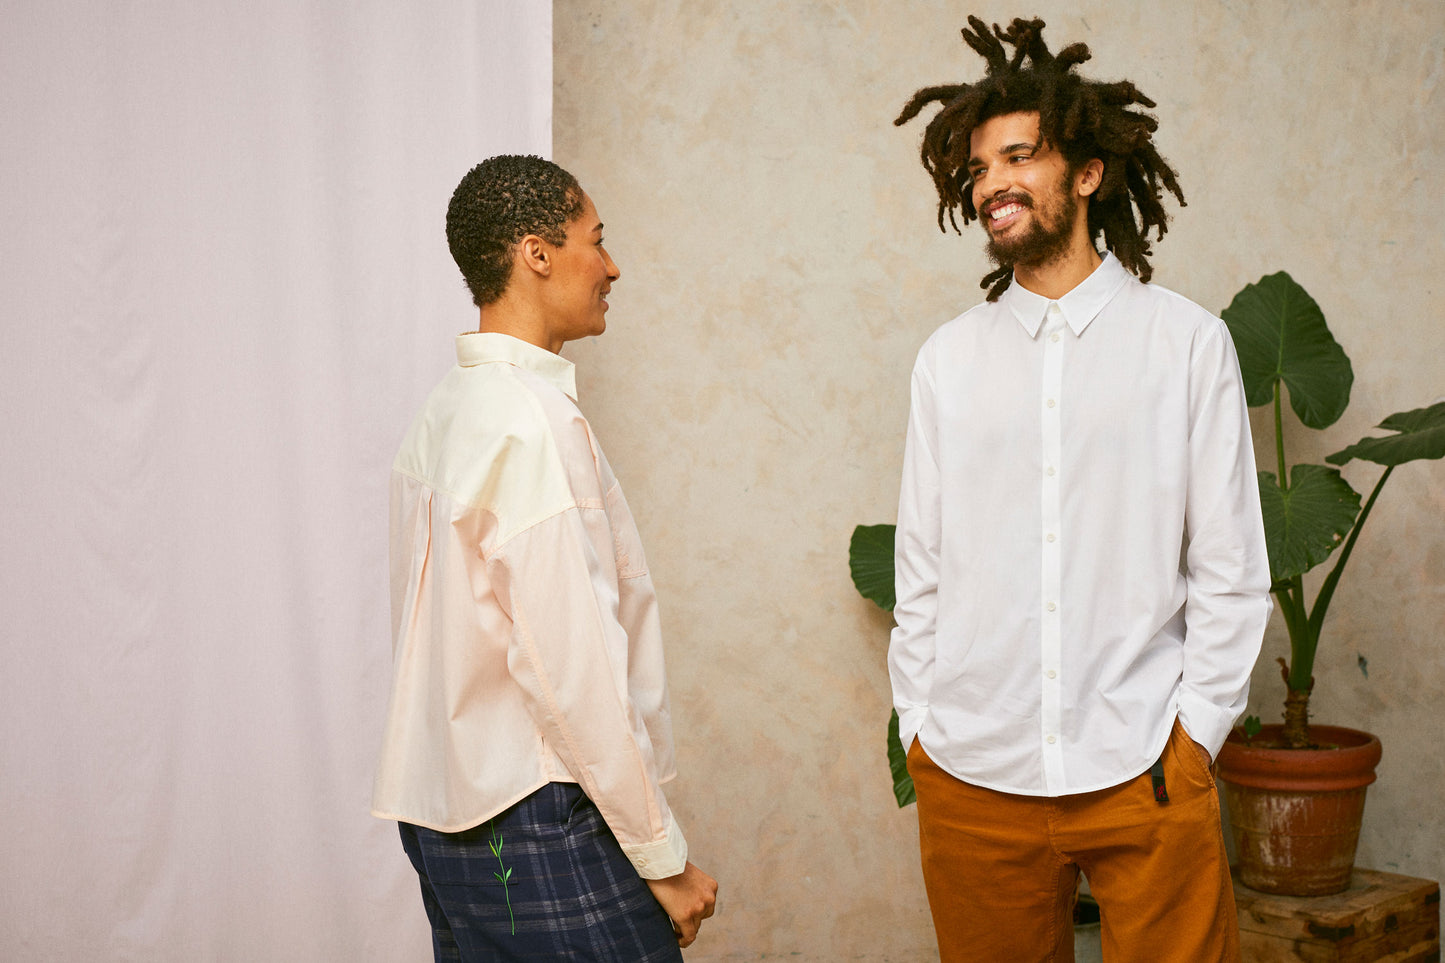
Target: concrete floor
[{"x": 1086, "y": 944}]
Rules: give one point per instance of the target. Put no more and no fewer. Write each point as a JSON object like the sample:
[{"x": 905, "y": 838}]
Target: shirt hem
[
  {"x": 468, "y": 822},
  {"x": 1043, "y": 793}
]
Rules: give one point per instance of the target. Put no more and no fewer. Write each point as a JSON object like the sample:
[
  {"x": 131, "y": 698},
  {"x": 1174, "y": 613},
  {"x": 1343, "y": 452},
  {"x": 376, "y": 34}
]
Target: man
[
  {"x": 528, "y": 735},
  {"x": 1081, "y": 568}
]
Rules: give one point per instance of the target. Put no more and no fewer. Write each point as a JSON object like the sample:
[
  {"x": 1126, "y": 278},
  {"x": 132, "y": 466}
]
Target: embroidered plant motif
[{"x": 505, "y": 876}]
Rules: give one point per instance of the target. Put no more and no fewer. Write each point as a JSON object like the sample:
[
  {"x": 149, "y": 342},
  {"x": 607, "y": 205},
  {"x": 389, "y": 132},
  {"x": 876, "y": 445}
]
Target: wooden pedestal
[{"x": 1381, "y": 918}]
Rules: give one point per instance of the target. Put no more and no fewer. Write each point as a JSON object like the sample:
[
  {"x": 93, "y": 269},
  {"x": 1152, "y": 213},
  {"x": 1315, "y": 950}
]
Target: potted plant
[{"x": 1296, "y": 791}]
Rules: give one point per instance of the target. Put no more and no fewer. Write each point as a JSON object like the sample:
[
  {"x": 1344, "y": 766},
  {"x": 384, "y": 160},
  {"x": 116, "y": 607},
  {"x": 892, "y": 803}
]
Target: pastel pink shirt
[{"x": 525, "y": 631}]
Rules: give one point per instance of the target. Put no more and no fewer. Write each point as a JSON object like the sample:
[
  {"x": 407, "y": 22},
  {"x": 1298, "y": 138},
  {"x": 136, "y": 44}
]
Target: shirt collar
[
  {"x": 1079, "y": 306},
  {"x": 486, "y": 347}
]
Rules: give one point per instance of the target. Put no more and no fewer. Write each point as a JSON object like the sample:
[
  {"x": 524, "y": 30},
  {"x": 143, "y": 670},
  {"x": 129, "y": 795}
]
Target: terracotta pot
[{"x": 1295, "y": 813}]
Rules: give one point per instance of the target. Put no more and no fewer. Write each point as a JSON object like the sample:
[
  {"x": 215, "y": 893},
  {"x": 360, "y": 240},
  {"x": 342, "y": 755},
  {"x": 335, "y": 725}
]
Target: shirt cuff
[
  {"x": 1205, "y": 722},
  {"x": 661, "y": 858},
  {"x": 910, "y": 722}
]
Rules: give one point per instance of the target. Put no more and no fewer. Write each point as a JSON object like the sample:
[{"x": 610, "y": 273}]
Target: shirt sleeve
[
  {"x": 558, "y": 581},
  {"x": 916, "y": 561},
  {"x": 1226, "y": 562}
]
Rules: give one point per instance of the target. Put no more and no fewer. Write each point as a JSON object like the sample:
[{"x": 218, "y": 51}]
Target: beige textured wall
[{"x": 780, "y": 269}]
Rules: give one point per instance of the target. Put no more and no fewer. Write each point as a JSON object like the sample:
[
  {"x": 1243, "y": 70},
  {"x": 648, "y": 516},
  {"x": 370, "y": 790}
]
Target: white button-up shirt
[
  {"x": 1080, "y": 553},
  {"x": 525, "y": 629}
]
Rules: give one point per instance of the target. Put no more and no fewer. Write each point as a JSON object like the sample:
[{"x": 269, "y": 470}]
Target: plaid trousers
[{"x": 542, "y": 881}]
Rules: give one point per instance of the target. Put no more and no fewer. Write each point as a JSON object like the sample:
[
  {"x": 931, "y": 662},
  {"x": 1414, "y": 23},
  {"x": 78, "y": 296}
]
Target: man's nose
[{"x": 988, "y": 185}]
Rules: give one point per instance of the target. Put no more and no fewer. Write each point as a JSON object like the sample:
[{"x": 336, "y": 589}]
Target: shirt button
[
  {"x": 1052, "y": 740},
  {"x": 1051, "y": 606},
  {"x": 1053, "y": 674},
  {"x": 1049, "y": 471},
  {"x": 1054, "y": 337},
  {"x": 1051, "y": 402},
  {"x": 1051, "y": 536}
]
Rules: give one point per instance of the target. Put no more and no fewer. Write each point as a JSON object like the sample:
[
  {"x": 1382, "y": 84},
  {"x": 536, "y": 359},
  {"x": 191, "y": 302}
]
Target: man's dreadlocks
[{"x": 1083, "y": 119}]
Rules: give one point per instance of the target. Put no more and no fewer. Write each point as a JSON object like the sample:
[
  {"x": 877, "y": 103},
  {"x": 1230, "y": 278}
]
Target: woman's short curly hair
[
  {"x": 499, "y": 202},
  {"x": 1083, "y": 119}
]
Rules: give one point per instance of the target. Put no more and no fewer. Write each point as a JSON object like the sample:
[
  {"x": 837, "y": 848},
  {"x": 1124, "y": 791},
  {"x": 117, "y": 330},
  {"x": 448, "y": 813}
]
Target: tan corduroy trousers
[{"x": 1002, "y": 870}]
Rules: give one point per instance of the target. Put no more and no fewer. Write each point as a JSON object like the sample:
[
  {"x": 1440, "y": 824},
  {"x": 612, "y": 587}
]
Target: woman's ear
[{"x": 535, "y": 254}]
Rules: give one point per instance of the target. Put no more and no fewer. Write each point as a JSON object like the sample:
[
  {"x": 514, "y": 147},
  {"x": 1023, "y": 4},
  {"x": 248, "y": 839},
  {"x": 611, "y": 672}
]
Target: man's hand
[{"x": 688, "y": 898}]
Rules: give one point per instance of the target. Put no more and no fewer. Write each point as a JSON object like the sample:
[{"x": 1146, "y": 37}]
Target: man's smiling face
[{"x": 1022, "y": 189}]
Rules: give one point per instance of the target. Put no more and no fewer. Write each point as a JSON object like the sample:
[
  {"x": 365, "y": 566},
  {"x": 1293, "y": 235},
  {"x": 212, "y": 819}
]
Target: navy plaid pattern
[{"x": 574, "y": 895}]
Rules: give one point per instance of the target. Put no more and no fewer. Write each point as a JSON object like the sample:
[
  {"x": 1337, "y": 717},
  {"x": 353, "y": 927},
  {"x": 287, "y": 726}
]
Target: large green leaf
[
  {"x": 898, "y": 763},
  {"x": 870, "y": 559},
  {"x": 1421, "y": 435},
  {"x": 1280, "y": 334},
  {"x": 1304, "y": 523}
]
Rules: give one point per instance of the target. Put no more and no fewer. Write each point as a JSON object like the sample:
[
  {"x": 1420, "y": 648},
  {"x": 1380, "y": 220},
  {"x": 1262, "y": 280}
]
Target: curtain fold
[{"x": 225, "y": 290}]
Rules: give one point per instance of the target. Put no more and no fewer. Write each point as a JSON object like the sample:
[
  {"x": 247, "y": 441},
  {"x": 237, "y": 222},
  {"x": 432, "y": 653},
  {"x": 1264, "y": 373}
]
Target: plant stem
[
  {"x": 1303, "y": 641},
  {"x": 1296, "y": 719},
  {"x": 505, "y": 876},
  {"x": 1327, "y": 588}
]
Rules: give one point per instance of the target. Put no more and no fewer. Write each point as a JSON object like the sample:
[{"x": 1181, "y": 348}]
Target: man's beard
[{"x": 1047, "y": 238}]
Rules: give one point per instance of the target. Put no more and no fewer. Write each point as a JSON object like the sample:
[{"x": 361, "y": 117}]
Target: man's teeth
[{"x": 999, "y": 213}]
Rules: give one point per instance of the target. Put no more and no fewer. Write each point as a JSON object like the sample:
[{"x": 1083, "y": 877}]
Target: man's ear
[
  {"x": 1089, "y": 177},
  {"x": 535, "y": 254}
]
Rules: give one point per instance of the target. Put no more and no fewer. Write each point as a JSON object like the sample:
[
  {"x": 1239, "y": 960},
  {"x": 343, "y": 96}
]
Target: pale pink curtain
[{"x": 224, "y": 288}]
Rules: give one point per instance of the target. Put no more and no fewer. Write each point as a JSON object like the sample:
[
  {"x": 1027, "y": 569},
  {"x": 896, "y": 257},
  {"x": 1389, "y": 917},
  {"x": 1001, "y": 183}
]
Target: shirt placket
[{"x": 1050, "y": 536}]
